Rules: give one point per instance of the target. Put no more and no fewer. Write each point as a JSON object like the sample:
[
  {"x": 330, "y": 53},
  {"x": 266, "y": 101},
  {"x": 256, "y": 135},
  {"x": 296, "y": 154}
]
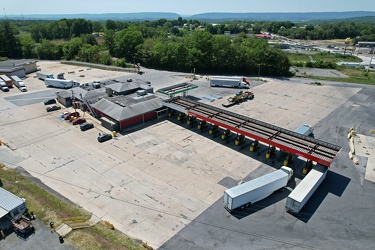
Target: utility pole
[{"x": 5, "y": 14}]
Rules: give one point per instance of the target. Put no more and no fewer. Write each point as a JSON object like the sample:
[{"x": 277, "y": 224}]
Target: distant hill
[
  {"x": 293, "y": 17},
  {"x": 139, "y": 16},
  {"x": 208, "y": 17}
]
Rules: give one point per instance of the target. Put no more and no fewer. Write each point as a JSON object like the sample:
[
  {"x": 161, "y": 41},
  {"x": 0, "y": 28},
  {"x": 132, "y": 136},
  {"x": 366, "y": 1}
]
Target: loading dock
[{"x": 312, "y": 149}]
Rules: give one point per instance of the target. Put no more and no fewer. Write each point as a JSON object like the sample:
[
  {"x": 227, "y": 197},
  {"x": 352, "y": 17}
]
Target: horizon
[{"x": 193, "y": 7}]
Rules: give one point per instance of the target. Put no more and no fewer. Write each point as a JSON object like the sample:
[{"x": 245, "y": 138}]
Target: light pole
[
  {"x": 369, "y": 64},
  {"x": 259, "y": 70}
]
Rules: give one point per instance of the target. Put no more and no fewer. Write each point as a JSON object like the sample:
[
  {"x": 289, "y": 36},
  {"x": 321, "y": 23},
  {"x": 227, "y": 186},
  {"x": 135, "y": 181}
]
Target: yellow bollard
[
  {"x": 286, "y": 162},
  {"x": 268, "y": 155},
  {"x": 304, "y": 171},
  {"x": 236, "y": 142},
  {"x": 114, "y": 133},
  {"x": 252, "y": 148}
]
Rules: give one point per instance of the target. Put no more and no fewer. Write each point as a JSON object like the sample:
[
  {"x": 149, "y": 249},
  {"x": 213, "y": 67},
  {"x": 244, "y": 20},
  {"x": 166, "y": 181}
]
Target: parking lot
[{"x": 163, "y": 183}]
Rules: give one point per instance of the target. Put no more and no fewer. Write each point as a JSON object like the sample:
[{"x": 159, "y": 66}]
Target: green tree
[
  {"x": 126, "y": 42},
  {"x": 97, "y": 27},
  {"x": 110, "y": 25},
  {"x": 10, "y": 44},
  {"x": 48, "y": 50},
  {"x": 109, "y": 41},
  {"x": 72, "y": 48},
  {"x": 28, "y": 46}
]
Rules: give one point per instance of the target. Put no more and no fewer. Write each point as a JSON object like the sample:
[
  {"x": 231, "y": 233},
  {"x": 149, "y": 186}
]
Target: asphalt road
[
  {"x": 338, "y": 216},
  {"x": 42, "y": 239}
]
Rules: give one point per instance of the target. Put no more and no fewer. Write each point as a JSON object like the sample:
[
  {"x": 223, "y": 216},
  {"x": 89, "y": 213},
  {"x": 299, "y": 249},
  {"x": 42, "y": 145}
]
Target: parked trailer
[
  {"x": 232, "y": 82},
  {"x": 19, "y": 83},
  {"x": 7, "y": 80},
  {"x": 43, "y": 76},
  {"x": 257, "y": 189},
  {"x": 58, "y": 83},
  {"x": 306, "y": 188}
]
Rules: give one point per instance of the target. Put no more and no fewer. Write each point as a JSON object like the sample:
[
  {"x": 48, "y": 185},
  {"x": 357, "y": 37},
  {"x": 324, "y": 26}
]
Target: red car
[{"x": 79, "y": 121}]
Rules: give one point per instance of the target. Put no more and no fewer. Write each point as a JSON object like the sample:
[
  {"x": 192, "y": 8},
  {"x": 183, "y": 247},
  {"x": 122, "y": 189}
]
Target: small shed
[
  {"x": 10, "y": 204},
  {"x": 65, "y": 98}
]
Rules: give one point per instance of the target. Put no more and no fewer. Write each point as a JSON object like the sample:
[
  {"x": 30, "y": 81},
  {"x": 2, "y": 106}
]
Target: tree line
[{"x": 180, "y": 45}]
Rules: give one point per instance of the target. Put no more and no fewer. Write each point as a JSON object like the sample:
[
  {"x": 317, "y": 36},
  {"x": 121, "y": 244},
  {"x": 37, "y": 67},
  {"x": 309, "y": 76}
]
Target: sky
[{"x": 182, "y": 7}]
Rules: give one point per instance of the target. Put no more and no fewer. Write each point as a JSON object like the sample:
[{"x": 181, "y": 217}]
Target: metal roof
[
  {"x": 316, "y": 150},
  {"x": 128, "y": 107},
  {"x": 176, "y": 89},
  {"x": 121, "y": 87},
  {"x": 255, "y": 183},
  {"x": 9, "y": 201}
]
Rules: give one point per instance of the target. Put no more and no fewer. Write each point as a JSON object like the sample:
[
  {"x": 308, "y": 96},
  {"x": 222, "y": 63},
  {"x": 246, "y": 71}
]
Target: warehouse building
[
  {"x": 18, "y": 68},
  {"x": 10, "y": 204}
]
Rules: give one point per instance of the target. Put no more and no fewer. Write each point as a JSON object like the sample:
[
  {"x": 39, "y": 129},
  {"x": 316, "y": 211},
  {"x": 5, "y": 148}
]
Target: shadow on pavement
[{"x": 334, "y": 183}]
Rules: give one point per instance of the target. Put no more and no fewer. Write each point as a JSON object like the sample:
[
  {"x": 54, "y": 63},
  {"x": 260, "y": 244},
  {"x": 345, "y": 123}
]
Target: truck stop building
[
  {"x": 10, "y": 204},
  {"x": 122, "y": 112}
]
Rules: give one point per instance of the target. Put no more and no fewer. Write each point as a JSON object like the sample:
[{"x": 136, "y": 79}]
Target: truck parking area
[{"x": 164, "y": 182}]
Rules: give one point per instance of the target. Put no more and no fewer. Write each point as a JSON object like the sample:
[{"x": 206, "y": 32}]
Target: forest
[{"x": 177, "y": 45}]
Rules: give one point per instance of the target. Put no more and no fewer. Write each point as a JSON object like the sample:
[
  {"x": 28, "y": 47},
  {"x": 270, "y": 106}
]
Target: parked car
[
  {"x": 70, "y": 114},
  {"x": 52, "y": 108},
  {"x": 79, "y": 121},
  {"x": 49, "y": 102},
  {"x": 86, "y": 126},
  {"x": 64, "y": 113},
  {"x": 104, "y": 137}
]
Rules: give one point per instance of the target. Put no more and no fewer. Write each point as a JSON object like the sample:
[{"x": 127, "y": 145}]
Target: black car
[
  {"x": 86, "y": 126},
  {"x": 104, "y": 137},
  {"x": 50, "y": 101},
  {"x": 52, "y": 108}
]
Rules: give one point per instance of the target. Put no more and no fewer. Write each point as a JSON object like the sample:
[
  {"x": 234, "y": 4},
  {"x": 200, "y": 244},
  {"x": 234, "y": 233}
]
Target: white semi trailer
[
  {"x": 257, "y": 189},
  {"x": 63, "y": 84},
  {"x": 305, "y": 189},
  {"x": 232, "y": 82},
  {"x": 19, "y": 83},
  {"x": 43, "y": 76}
]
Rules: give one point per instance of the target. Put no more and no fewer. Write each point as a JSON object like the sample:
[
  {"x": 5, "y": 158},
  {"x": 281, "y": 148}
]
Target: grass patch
[
  {"x": 354, "y": 76},
  {"x": 48, "y": 207},
  {"x": 295, "y": 57},
  {"x": 325, "y": 56}
]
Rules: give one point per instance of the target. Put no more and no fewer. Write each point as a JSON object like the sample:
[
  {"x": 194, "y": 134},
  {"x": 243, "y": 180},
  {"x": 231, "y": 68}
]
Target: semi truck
[
  {"x": 63, "y": 84},
  {"x": 3, "y": 86},
  {"x": 7, "y": 80},
  {"x": 19, "y": 83},
  {"x": 232, "y": 82},
  {"x": 301, "y": 194},
  {"x": 305, "y": 130},
  {"x": 257, "y": 189},
  {"x": 43, "y": 76}
]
